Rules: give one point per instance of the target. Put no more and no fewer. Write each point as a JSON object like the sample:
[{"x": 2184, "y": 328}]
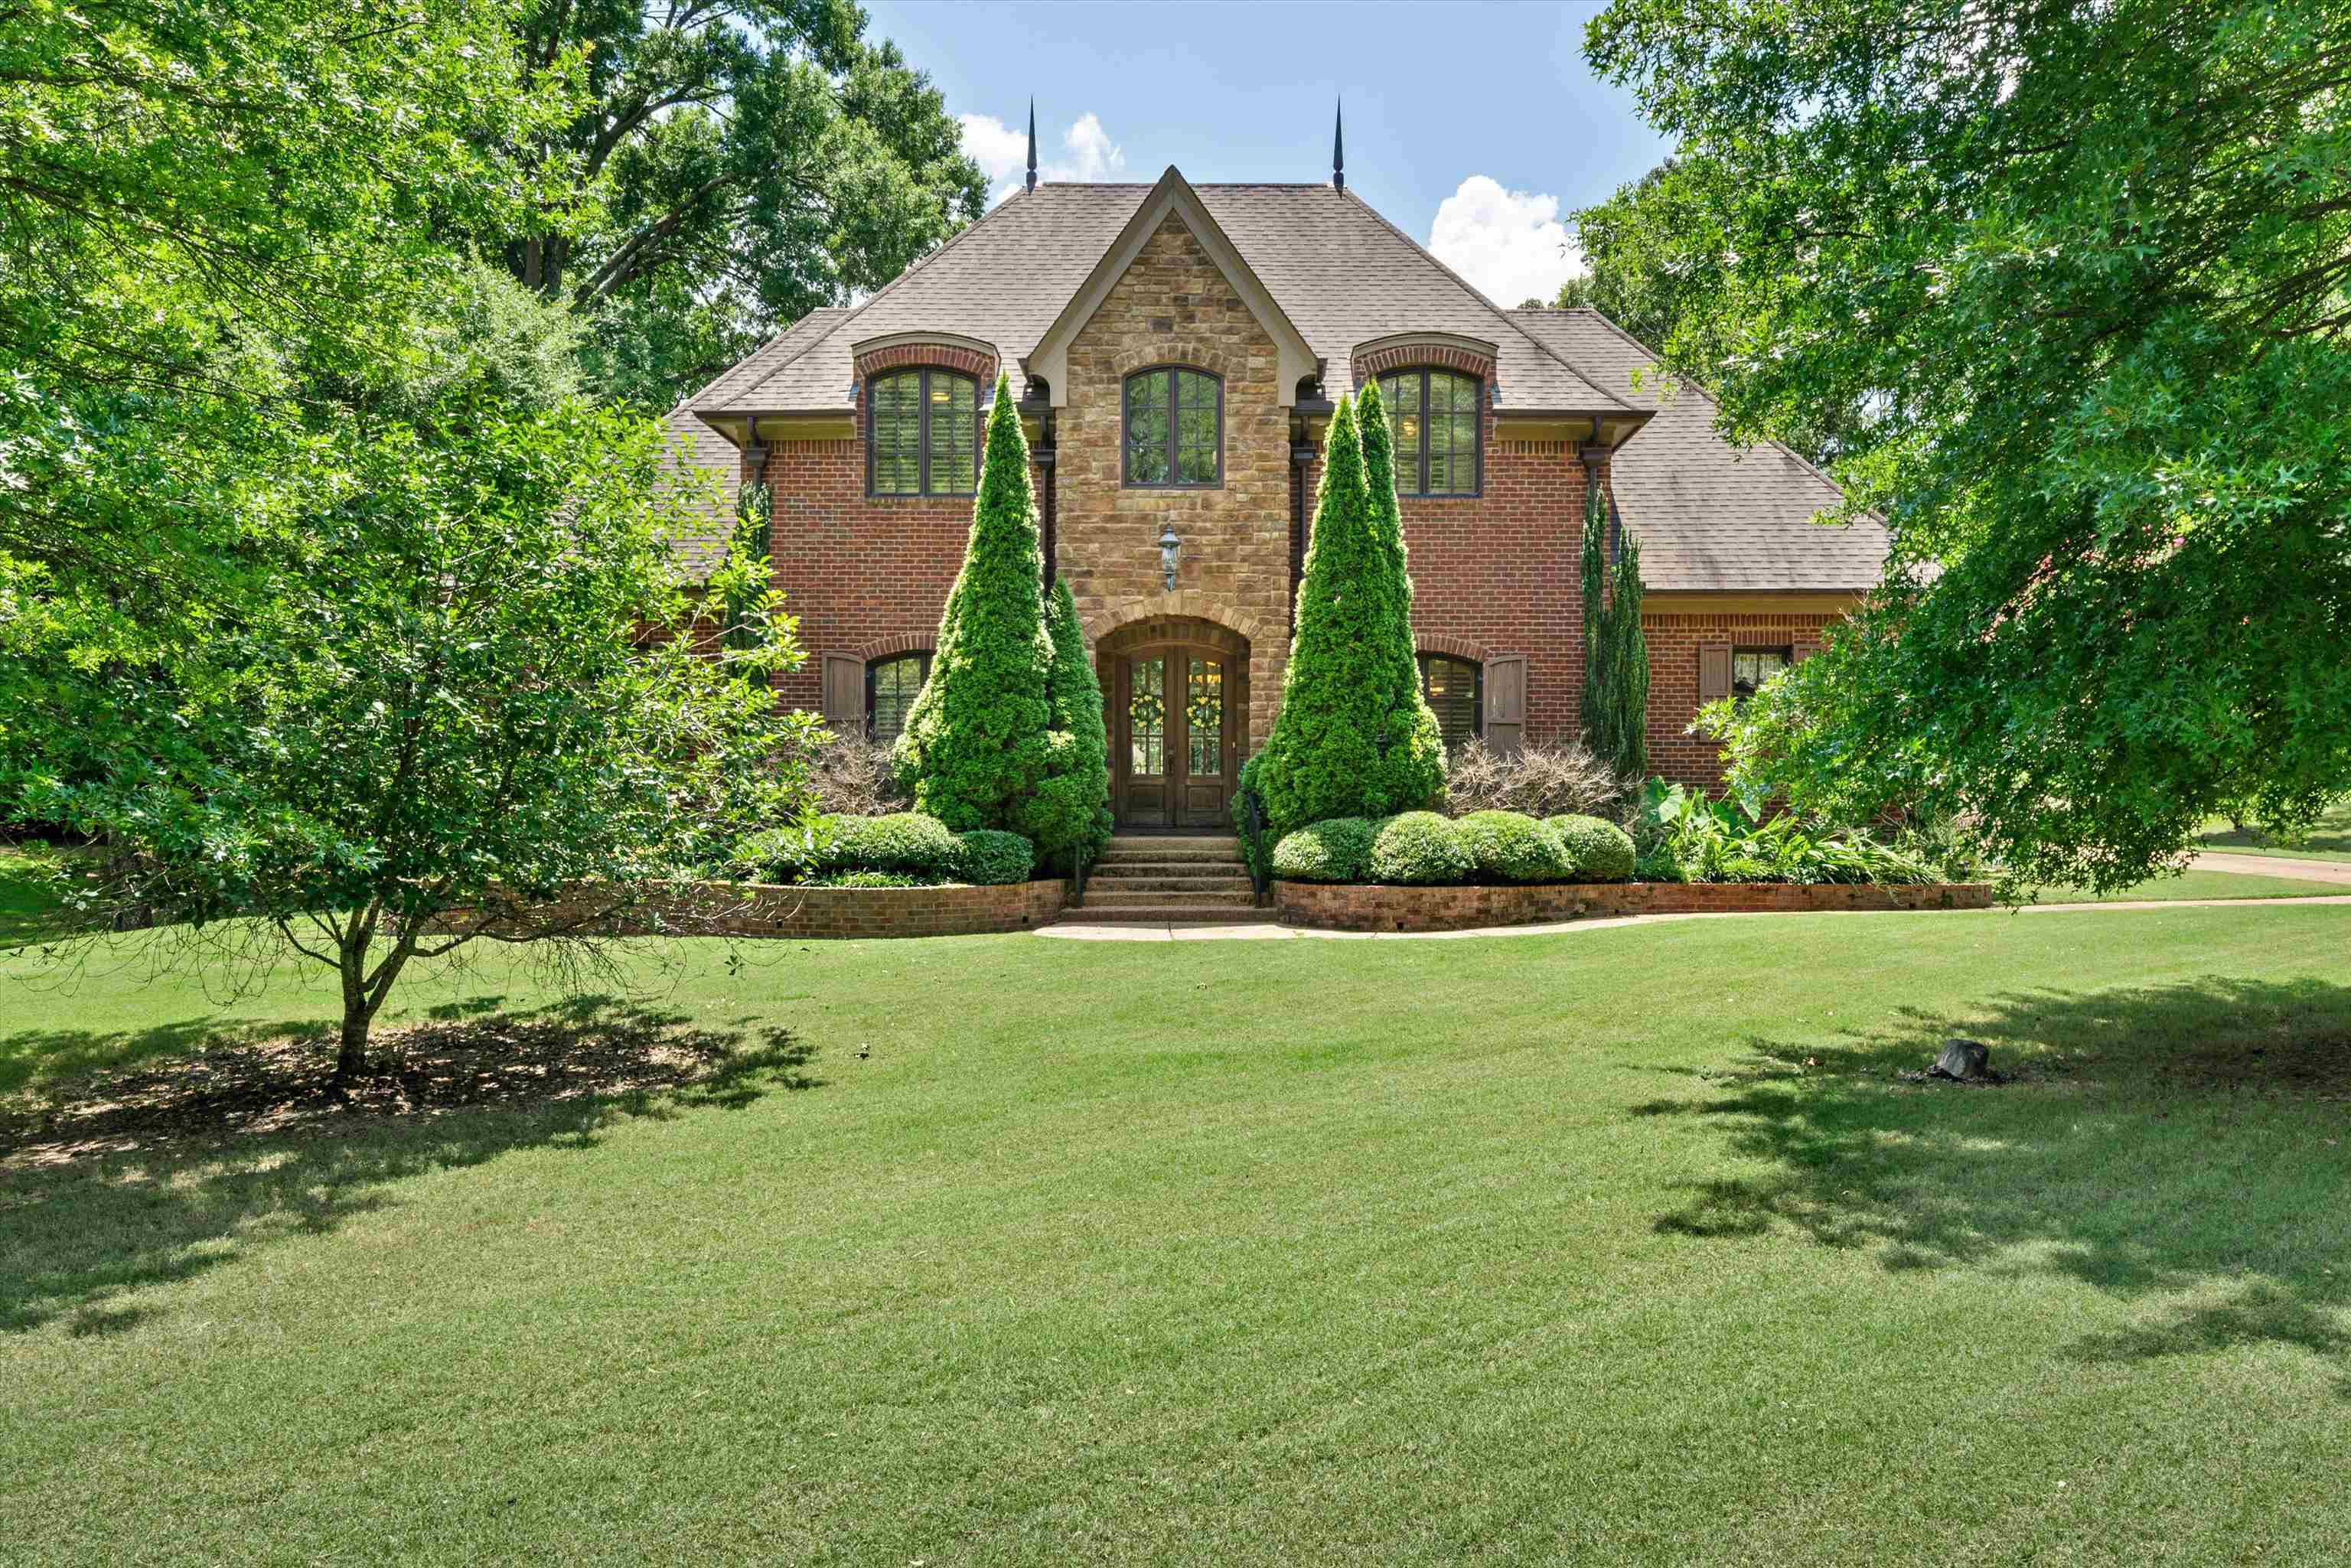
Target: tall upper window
[
  {"x": 922, "y": 434},
  {"x": 1434, "y": 416},
  {"x": 1453, "y": 689},
  {"x": 1175, "y": 429},
  {"x": 891, "y": 686}
]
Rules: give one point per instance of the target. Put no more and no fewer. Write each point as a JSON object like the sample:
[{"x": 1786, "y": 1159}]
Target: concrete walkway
[
  {"x": 1266, "y": 930},
  {"x": 2275, "y": 865}
]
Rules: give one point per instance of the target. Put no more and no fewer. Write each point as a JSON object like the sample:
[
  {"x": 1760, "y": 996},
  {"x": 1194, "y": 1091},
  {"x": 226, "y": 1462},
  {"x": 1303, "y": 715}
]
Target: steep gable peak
[{"x": 1171, "y": 196}]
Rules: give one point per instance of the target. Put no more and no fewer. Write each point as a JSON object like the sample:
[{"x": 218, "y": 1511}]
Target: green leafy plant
[
  {"x": 1343, "y": 745},
  {"x": 1339, "y": 850},
  {"x": 903, "y": 841},
  {"x": 1596, "y": 851},
  {"x": 1420, "y": 847},
  {"x": 977, "y": 741},
  {"x": 1734, "y": 840},
  {"x": 871, "y": 879},
  {"x": 1069, "y": 814},
  {"x": 1616, "y": 652},
  {"x": 990, "y": 857},
  {"x": 1510, "y": 847}
]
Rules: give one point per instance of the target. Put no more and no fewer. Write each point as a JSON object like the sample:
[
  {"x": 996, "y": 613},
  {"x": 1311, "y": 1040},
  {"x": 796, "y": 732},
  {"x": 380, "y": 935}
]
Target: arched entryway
[{"x": 1175, "y": 692}]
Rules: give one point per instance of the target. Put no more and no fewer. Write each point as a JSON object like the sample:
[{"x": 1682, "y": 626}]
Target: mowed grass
[
  {"x": 2329, "y": 840},
  {"x": 2191, "y": 885},
  {"x": 1619, "y": 1246}
]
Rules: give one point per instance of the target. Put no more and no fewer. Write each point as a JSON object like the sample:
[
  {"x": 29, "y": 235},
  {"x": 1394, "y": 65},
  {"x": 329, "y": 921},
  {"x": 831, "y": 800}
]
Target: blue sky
[{"x": 1478, "y": 128}]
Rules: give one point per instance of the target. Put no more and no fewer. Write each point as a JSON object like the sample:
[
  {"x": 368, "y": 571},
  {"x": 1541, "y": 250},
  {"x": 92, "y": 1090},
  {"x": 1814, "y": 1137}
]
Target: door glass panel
[
  {"x": 1146, "y": 717},
  {"x": 1204, "y": 717}
]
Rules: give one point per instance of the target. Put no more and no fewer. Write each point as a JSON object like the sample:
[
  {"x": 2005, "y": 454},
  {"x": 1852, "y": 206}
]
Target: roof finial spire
[
  {"x": 1032, "y": 143},
  {"x": 1339, "y": 148}
]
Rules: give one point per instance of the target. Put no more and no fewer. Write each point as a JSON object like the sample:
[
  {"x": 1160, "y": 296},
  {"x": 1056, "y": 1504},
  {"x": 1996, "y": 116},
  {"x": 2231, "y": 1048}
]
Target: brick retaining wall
[
  {"x": 1389, "y": 908},
  {"x": 755, "y": 909}
]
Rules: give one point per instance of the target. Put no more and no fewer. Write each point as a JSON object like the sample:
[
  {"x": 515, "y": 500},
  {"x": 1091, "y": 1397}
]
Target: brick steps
[{"x": 1169, "y": 881}]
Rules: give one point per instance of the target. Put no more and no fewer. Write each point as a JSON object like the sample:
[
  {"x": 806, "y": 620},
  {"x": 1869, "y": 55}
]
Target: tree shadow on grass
[
  {"x": 2189, "y": 1142},
  {"x": 166, "y": 1171}
]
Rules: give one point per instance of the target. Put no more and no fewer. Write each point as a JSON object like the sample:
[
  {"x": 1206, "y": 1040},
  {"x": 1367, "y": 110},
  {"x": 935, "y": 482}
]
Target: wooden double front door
[{"x": 1176, "y": 717}]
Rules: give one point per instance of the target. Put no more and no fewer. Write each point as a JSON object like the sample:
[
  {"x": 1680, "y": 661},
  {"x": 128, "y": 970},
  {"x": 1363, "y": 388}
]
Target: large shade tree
[
  {"x": 2090, "y": 269},
  {"x": 734, "y": 164}
]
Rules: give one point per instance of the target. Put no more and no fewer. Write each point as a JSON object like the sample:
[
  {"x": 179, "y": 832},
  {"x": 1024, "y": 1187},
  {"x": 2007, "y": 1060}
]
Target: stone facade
[
  {"x": 1173, "y": 307},
  {"x": 1380, "y": 908}
]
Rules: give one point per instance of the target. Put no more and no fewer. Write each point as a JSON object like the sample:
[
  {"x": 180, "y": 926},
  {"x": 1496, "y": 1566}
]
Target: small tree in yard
[
  {"x": 481, "y": 687},
  {"x": 1616, "y": 652},
  {"x": 976, "y": 742},
  {"x": 1069, "y": 816},
  {"x": 1411, "y": 744},
  {"x": 1327, "y": 754}
]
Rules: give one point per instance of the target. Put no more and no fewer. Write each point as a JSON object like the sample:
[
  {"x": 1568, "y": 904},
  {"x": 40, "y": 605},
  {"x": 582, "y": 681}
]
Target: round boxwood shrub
[
  {"x": 1420, "y": 847},
  {"x": 990, "y": 856},
  {"x": 781, "y": 854},
  {"x": 903, "y": 841},
  {"x": 1510, "y": 846},
  {"x": 1600, "y": 852},
  {"x": 1336, "y": 850}
]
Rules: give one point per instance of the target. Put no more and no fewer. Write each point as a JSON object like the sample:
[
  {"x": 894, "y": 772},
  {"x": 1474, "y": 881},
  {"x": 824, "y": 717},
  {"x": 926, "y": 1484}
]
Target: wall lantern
[{"x": 1171, "y": 551}]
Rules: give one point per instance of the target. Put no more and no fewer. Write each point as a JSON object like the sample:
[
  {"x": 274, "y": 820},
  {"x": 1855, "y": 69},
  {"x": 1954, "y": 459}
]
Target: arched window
[
  {"x": 891, "y": 686},
  {"x": 1433, "y": 415},
  {"x": 921, "y": 434},
  {"x": 1456, "y": 692},
  {"x": 1175, "y": 429}
]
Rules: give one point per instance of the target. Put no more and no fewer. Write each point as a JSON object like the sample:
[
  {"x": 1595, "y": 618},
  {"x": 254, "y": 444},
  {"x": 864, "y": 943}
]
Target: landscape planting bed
[{"x": 1378, "y": 908}]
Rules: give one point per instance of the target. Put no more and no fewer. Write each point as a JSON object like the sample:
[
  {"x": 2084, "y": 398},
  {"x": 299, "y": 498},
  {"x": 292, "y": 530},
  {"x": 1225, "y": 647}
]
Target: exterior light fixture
[{"x": 1171, "y": 551}]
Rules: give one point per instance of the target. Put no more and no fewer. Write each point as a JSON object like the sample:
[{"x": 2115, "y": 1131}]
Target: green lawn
[
  {"x": 1620, "y": 1246},
  {"x": 2201, "y": 884},
  {"x": 2330, "y": 840}
]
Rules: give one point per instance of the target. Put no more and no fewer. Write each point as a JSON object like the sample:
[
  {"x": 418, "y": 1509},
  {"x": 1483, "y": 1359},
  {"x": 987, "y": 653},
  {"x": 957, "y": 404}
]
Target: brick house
[{"x": 1175, "y": 349}]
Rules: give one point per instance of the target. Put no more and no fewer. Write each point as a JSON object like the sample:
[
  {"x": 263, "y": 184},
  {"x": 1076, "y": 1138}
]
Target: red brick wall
[
  {"x": 745, "y": 909},
  {"x": 1674, "y": 637}
]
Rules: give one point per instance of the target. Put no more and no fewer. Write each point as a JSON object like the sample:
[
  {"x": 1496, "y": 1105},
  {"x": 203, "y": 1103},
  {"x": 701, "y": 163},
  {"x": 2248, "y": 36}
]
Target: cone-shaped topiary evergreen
[
  {"x": 1069, "y": 816},
  {"x": 1342, "y": 716},
  {"x": 1412, "y": 745},
  {"x": 976, "y": 743}
]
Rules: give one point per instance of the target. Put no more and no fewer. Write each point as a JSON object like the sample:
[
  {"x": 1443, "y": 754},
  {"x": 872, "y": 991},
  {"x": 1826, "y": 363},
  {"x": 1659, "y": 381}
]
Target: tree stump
[{"x": 1963, "y": 1061}]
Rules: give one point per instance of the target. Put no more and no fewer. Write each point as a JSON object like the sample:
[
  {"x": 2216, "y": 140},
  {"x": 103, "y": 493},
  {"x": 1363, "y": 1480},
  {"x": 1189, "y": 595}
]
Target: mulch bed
[{"x": 282, "y": 1085}]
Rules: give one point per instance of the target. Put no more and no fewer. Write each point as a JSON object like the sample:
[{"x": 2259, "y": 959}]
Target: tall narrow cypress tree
[
  {"x": 1069, "y": 816},
  {"x": 1593, "y": 576},
  {"x": 1616, "y": 651},
  {"x": 1325, "y": 757},
  {"x": 976, "y": 740},
  {"x": 1411, "y": 746}
]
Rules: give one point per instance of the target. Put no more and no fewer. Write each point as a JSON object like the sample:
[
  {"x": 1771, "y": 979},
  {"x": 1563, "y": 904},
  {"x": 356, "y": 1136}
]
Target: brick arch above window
[
  {"x": 1438, "y": 350},
  {"x": 1452, "y": 647},
  {"x": 896, "y": 643},
  {"x": 948, "y": 351}
]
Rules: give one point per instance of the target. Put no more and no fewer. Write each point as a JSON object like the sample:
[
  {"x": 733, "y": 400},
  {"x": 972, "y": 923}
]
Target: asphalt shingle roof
[
  {"x": 1710, "y": 517},
  {"x": 1341, "y": 272},
  {"x": 696, "y": 449}
]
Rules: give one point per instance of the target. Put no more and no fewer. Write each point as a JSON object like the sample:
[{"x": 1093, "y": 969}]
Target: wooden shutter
[
  {"x": 1803, "y": 651},
  {"x": 844, "y": 693},
  {"x": 1506, "y": 702},
  {"x": 1713, "y": 671}
]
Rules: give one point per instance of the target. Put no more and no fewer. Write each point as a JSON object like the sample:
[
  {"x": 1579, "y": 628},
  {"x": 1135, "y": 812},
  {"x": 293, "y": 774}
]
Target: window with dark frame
[
  {"x": 1173, "y": 429},
  {"x": 1751, "y": 667},
  {"x": 1455, "y": 690},
  {"x": 892, "y": 684},
  {"x": 1433, "y": 416},
  {"x": 921, "y": 434}
]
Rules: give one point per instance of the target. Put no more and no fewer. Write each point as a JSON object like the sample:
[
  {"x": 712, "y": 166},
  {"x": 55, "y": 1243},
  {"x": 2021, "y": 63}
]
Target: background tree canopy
[
  {"x": 2083, "y": 270},
  {"x": 735, "y": 164}
]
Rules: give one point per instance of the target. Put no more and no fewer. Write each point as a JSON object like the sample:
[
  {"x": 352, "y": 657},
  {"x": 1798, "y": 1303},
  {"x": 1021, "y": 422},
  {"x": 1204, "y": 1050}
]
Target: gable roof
[
  {"x": 1172, "y": 197},
  {"x": 1711, "y": 517},
  {"x": 1331, "y": 267}
]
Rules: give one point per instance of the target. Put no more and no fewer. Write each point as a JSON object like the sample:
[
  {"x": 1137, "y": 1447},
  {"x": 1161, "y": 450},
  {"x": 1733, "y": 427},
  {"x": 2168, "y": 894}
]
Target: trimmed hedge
[
  {"x": 1599, "y": 851},
  {"x": 1338, "y": 849},
  {"x": 1420, "y": 847},
  {"x": 991, "y": 858},
  {"x": 1510, "y": 846}
]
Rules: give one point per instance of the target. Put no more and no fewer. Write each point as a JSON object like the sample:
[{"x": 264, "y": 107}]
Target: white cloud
[
  {"x": 1509, "y": 244},
  {"x": 1002, "y": 154}
]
